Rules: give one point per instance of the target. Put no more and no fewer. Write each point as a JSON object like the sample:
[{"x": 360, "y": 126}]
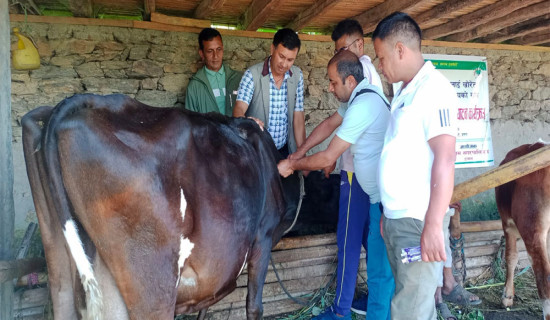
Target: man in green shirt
[{"x": 214, "y": 87}]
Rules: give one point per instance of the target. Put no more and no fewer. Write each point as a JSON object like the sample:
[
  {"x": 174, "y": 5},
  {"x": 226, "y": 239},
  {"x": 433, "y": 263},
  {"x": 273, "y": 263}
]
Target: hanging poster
[{"x": 468, "y": 75}]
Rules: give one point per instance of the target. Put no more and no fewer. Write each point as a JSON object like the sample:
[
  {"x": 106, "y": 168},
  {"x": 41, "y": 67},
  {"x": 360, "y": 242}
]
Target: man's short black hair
[
  {"x": 401, "y": 27},
  {"x": 347, "y": 27},
  {"x": 347, "y": 64},
  {"x": 288, "y": 38},
  {"x": 207, "y": 34}
]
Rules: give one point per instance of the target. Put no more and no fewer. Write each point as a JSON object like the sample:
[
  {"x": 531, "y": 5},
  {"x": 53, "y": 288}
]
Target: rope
[
  {"x": 296, "y": 300},
  {"x": 457, "y": 249},
  {"x": 302, "y": 194},
  {"x": 301, "y": 302}
]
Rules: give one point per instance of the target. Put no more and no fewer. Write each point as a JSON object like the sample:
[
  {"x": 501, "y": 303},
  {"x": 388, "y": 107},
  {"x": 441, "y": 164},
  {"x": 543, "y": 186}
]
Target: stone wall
[{"x": 155, "y": 67}]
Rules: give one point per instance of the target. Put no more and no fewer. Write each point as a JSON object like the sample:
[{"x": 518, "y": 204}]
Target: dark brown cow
[
  {"x": 524, "y": 207},
  {"x": 149, "y": 212}
]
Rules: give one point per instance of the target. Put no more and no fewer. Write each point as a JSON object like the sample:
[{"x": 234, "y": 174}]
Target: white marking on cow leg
[
  {"x": 87, "y": 277},
  {"x": 185, "y": 251},
  {"x": 546, "y": 308},
  {"x": 185, "y": 244},
  {"x": 183, "y": 205},
  {"x": 190, "y": 282},
  {"x": 244, "y": 263}
]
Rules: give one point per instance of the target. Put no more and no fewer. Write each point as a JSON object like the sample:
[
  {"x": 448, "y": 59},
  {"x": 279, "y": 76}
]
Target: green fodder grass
[{"x": 479, "y": 209}]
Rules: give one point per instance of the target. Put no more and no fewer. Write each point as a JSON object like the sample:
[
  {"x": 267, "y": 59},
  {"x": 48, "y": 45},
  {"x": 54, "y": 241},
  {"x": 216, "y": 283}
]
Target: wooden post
[
  {"x": 454, "y": 226},
  {"x": 7, "y": 213}
]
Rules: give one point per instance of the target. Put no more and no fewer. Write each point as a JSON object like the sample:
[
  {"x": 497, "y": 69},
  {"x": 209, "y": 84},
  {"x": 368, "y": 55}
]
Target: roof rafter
[
  {"x": 443, "y": 10},
  {"x": 206, "y": 8},
  {"x": 468, "y": 21},
  {"x": 370, "y": 18},
  {"x": 81, "y": 8},
  {"x": 258, "y": 12},
  {"x": 305, "y": 17},
  {"x": 533, "y": 39},
  {"x": 536, "y": 25},
  {"x": 515, "y": 17}
]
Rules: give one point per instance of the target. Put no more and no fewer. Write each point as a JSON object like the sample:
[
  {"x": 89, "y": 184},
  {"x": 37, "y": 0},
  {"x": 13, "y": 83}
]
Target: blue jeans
[{"x": 359, "y": 224}]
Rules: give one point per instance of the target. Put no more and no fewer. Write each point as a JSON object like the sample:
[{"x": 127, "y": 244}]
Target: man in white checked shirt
[{"x": 272, "y": 92}]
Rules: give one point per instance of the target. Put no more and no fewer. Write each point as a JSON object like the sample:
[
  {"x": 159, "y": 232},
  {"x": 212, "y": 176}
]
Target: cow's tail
[{"x": 62, "y": 204}]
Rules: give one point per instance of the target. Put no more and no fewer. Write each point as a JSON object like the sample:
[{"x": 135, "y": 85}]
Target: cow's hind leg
[
  {"x": 511, "y": 236},
  {"x": 257, "y": 270},
  {"x": 541, "y": 268}
]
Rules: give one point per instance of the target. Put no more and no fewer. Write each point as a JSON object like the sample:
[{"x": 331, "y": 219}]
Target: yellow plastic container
[{"x": 25, "y": 57}]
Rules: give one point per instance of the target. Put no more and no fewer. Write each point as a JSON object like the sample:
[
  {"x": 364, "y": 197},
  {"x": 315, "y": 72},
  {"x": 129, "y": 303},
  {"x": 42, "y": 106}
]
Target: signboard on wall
[{"x": 468, "y": 75}]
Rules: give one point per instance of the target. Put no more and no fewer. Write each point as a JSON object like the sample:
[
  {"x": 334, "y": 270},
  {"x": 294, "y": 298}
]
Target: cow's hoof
[{"x": 507, "y": 301}]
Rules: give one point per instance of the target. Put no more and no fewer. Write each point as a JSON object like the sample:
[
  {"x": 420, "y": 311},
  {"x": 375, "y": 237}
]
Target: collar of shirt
[
  {"x": 420, "y": 76},
  {"x": 362, "y": 85},
  {"x": 366, "y": 58},
  {"x": 413, "y": 85},
  {"x": 211, "y": 73},
  {"x": 287, "y": 74}
]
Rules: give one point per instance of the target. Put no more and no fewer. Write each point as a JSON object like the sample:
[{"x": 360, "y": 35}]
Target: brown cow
[
  {"x": 149, "y": 212},
  {"x": 524, "y": 206}
]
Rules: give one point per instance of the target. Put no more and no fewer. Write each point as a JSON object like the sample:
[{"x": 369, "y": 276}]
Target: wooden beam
[
  {"x": 72, "y": 20},
  {"x": 481, "y": 226},
  {"x": 510, "y": 171},
  {"x": 258, "y": 12},
  {"x": 81, "y": 8},
  {"x": 206, "y": 8},
  {"x": 251, "y": 34},
  {"x": 444, "y": 10},
  {"x": 499, "y": 9},
  {"x": 305, "y": 241},
  {"x": 7, "y": 211},
  {"x": 533, "y": 39},
  {"x": 317, "y": 9},
  {"x": 515, "y": 17},
  {"x": 484, "y": 46},
  {"x": 149, "y": 6},
  {"x": 521, "y": 29},
  {"x": 14, "y": 269},
  {"x": 370, "y": 18},
  {"x": 178, "y": 21}
]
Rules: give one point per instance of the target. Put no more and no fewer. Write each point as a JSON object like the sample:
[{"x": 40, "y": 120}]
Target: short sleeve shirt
[
  {"x": 365, "y": 119},
  {"x": 369, "y": 71},
  {"x": 424, "y": 109}
]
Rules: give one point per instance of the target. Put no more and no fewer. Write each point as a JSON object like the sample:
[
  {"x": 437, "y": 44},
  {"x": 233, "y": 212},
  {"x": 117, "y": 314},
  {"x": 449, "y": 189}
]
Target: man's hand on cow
[
  {"x": 284, "y": 168},
  {"x": 329, "y": 169},
  {"x": 296, "y": 155},
  {"x": 259, "y": 122},
  {"x": 432, "y": 245}
]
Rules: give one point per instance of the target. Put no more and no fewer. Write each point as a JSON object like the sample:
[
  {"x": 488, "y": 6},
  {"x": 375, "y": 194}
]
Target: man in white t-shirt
[
  {"x": 356, "y": 226},
  {"x": 362, "y": 120},
  {"x": 416, "y": 173}
]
